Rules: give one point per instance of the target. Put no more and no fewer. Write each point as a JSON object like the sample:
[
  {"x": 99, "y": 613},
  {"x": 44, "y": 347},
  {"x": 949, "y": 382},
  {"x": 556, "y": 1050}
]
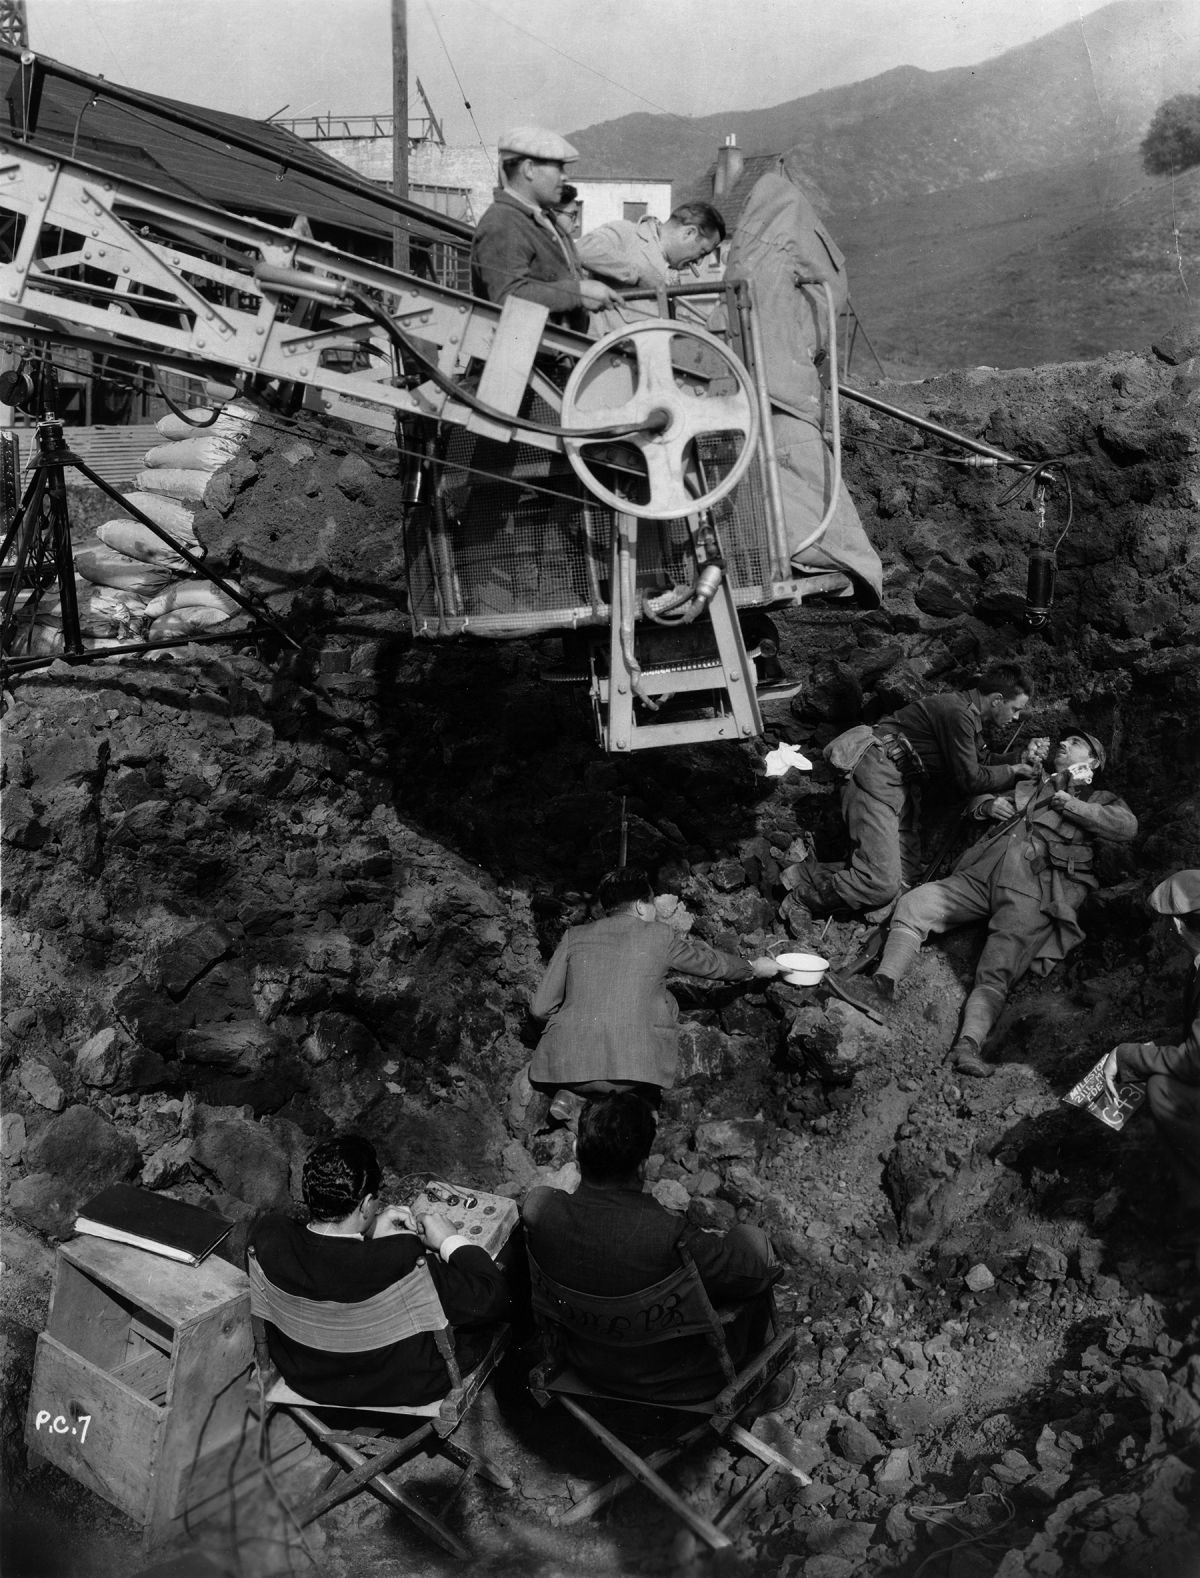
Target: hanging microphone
[{"x": 1039, "y": 588}]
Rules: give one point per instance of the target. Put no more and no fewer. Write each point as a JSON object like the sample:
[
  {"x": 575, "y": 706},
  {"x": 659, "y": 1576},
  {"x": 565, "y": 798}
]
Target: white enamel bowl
[{"x": 802, "y": 969}]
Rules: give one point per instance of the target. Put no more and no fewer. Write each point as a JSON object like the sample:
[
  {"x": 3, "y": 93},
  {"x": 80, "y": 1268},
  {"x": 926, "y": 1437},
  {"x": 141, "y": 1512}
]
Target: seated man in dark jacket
[
  {"x": 611, "y": 1238},
  {"x": 1171, "y": 1068},
  {"x": 350, "y": 1249}
]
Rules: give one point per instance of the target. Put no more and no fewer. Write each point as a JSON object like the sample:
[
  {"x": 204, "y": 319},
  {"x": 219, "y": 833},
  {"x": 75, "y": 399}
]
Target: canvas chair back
[
  {"x": 402, "y": 1310},
  {"x": 677, "y": 1307}
]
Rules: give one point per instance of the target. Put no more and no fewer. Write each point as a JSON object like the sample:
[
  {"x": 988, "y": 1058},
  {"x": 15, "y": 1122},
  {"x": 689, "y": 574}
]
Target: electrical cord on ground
[{"x": 935, "y": 1515}]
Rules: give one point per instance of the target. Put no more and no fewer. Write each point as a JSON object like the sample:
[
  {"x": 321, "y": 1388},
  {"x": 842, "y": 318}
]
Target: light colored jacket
[{"x": 607, "y": 1009}]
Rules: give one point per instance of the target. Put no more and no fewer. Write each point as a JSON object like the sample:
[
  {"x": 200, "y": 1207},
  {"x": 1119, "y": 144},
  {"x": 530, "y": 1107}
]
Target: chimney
[{"x": 730, "y": 165}]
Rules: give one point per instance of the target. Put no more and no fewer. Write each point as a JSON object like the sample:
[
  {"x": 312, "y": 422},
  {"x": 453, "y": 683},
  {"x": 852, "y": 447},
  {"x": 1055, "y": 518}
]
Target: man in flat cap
[
  {"x": 518, "y": 249},
  {"x": 1026, "y": 878},
  {"x": 1172, "y": 1072}
]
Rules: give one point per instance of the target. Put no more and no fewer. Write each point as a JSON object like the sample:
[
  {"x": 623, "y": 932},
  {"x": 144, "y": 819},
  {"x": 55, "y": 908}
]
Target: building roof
[{"x": 249, "y": 167}]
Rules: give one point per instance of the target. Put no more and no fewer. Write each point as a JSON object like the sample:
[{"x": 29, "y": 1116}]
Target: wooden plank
[
  {"x": 147, "y": 1374},
  {"x": 510, "y": 359},
  {"x": 112, "y": 1454},
  {"x": 168, "y": 1289},
  {"x": 210, "y": 1363}
]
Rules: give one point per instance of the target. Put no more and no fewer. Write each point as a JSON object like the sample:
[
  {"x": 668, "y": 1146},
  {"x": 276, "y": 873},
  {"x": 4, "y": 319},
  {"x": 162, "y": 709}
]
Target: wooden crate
[{"x": 139, "y": 1382}]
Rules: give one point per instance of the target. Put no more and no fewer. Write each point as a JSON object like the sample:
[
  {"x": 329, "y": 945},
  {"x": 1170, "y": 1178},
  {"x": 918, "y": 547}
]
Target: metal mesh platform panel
[{"x": 519, "y": 547}]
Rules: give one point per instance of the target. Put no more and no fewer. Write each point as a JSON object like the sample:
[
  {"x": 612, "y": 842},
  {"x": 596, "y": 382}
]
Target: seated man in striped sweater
[{"x": 353, "y": 1248}]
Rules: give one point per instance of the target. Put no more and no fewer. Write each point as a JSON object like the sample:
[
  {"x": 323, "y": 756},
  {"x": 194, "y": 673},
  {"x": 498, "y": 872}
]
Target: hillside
[
  {"x": 1053, "y": 266},
  {"x": 1081, "y": 91}
]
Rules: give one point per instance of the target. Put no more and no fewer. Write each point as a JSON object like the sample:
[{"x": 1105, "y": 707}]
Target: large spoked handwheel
[{"x": 640, "y": 375}]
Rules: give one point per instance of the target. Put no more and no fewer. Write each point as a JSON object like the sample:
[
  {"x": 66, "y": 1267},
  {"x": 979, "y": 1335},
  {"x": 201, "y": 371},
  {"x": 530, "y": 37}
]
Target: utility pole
[{"x": 399, "y": 127}]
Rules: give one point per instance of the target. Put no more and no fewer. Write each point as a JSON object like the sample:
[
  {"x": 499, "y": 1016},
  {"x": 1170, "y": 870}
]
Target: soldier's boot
[
  {"x": 901, "y": 948},
  {"x": 980, "y": 1013}
]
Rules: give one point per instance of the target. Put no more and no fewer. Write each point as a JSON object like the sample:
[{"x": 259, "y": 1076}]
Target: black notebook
[{"x": 156, "y": 1222}]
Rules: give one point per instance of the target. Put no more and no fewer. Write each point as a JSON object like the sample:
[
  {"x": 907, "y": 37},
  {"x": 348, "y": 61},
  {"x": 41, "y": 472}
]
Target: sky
[{"x": 560, "y": 63}]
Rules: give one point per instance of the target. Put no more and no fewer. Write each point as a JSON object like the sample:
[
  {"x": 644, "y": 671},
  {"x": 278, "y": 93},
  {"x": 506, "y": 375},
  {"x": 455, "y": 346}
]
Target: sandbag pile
[
  {"x": 133, "y": 586},
  {"x": 108, "y": 616}
]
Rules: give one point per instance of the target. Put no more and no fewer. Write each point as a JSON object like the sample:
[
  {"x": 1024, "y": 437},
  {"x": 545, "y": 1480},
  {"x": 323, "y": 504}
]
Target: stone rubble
[{"x": 250, "y": 901}]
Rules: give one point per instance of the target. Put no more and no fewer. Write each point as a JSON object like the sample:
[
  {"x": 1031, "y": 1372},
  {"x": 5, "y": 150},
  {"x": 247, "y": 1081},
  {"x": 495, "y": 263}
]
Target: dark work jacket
[
  {"x": 514, "y": 253},
  {"x": 946, "y": 731},
  {"x": 471, "y": 1287}
]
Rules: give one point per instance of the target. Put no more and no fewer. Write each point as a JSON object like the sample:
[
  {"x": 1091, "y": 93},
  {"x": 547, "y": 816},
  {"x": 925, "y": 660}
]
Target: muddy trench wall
[{"x": 251, "y": 897}]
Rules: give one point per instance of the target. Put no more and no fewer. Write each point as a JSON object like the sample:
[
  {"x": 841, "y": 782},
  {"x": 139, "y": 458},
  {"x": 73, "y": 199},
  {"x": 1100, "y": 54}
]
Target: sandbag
[
  {"x": 139, "y": 542},
  {"x": 175, "y": 481},
  {"x": 186, "y": 622},
  {"x": 106, "y": 567},
  {"x": 191, "y": 594},
  {"x": 179, "y": 519},
  {"x": 203, "y": 452},
  {"x": 103, "y": 610},
  {"x": 232, "y": 419},
  {"x": 47, "y": 640}
]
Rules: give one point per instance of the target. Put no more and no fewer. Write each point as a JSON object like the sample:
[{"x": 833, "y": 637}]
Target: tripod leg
[
  {"x": 64, "y": 559},
  {"x": 24, "y": 533}
]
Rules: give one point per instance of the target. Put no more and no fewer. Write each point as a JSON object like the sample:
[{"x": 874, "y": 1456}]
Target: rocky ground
[{"x": 250, "y": 899}]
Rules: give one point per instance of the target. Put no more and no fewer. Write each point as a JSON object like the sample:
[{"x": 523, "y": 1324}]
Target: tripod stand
[{"x": 38, "y": 544}]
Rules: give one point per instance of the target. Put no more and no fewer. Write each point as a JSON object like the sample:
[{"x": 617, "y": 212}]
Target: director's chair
[
  {"x": 364, "y": 1457},
  {"x": 675, "y": 1308}
]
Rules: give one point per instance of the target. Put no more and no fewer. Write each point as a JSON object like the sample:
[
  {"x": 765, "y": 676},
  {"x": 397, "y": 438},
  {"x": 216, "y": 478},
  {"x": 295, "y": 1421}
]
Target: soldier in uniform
[
  {"x": 1027, "y": 879},
  {"x": 939, "y": 736},
  {"x": 1172, "y": 1072}
]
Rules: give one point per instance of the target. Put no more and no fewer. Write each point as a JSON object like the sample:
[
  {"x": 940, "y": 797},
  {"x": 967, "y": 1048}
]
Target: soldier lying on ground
[
  {"x": 937, "y": 737},
  {"x": 1026, "y": 878}
]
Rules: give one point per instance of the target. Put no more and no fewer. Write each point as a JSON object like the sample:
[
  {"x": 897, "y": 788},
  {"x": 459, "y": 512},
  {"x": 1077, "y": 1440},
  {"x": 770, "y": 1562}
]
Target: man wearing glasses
[{"x": 518, "y": 248}]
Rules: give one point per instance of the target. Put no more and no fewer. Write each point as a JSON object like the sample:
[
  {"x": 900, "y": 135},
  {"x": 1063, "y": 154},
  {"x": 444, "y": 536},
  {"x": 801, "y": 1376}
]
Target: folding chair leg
[
  {"x": 483, "y": 1466},
  {"x": 645, "y": 1475},
  {"x": 386, "y": 1491},
  {"x": 362, "y": 1468},
  {"x": 739, "y": 1506},
  {"x": 601, "y": 1497}
]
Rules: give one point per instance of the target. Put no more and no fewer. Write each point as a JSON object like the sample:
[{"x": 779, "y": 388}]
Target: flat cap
[
  {"x": 1178, "y": 895},
  {"x": 1096, "y": 749},
  {"x": 535, "y": 142}
]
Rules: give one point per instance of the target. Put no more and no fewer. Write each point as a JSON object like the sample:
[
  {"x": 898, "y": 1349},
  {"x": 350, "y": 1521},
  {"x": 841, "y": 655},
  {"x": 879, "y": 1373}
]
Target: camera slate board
[{"x": 1090, "y": 1095}]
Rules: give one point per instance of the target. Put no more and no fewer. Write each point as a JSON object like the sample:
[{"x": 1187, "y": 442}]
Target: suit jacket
[
  {"x": 610, "y": 1241},
  {"x": 1180, "y": 1062},
  {"x": 604, "y": 997},
  {"x": 517, "y": 253}
]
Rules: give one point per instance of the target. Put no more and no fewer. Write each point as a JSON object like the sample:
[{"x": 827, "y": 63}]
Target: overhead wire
[
  {"x": 454, "y": 72},
  {"x": 583, "y": 64}
]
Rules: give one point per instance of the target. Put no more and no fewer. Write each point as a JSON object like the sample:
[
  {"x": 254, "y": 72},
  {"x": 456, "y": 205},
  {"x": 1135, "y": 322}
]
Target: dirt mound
[{"x": 250, "y": 899}]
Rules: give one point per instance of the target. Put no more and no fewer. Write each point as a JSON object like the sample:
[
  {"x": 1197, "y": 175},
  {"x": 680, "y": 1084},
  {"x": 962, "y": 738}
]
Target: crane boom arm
[{"x": 124, "y": 268}]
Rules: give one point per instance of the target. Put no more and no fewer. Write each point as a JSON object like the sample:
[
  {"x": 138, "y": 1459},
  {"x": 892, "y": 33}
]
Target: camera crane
[{"x": 659, "y": 423}]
